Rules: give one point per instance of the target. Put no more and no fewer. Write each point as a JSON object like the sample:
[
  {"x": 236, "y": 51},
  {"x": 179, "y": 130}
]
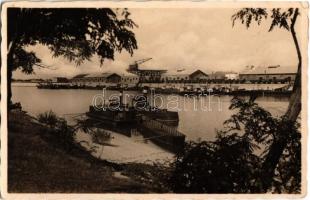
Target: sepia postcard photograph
[{"x": 160, "y": 99}]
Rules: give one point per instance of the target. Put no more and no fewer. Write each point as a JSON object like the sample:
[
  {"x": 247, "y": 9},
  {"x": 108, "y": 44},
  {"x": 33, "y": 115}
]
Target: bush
[
  {"x": 49, "y": 118},
  {"x": 58, "y": 129},
  {"x": 232, "y": 164}
]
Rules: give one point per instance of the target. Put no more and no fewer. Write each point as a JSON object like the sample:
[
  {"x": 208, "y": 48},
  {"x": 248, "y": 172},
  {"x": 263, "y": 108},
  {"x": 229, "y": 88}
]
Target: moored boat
[
  {"x": 162, "y": 115},
  {"x": 120, "y": 115},
  {"x": 160, "y": 125},
  {"x": 163, "y": 135}
]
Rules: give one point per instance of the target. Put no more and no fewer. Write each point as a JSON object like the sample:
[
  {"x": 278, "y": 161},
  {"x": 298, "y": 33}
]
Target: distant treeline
[{"x": 29, "y": 80}]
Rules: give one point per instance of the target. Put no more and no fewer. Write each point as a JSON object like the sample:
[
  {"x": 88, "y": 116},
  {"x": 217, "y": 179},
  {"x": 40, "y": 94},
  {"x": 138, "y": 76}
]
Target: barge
[
  {"x": 158, "y": 125},
  {"x": 161, "y": 134},
  {"x": 144, "y": 108}
]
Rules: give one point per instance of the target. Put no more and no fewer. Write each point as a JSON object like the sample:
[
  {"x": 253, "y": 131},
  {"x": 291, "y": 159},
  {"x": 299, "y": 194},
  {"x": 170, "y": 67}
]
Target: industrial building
[
  {"x": 223, "y": 75},
  {"x": 96, "y": 79},
  {"x": 145, "y": 75},
  {"x": 269, "y": 73},
  {"x": 129, "y": 79},
  {"x": 184, "y": 75}
]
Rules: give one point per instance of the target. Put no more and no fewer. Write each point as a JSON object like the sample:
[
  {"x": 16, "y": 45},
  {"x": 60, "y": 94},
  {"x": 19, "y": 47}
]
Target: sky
[{"x": 196, "y": 38}]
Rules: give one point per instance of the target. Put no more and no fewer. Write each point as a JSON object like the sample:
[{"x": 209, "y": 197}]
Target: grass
[{"x": 38, "y": 163}]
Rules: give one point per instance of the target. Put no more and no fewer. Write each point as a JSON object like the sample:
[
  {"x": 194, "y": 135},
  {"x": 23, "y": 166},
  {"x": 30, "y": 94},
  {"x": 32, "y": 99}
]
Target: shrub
[
  {"x": 58, "y": 129},
  {"x": 232, "y": 164},
  {"x": 49, "y": 118}
]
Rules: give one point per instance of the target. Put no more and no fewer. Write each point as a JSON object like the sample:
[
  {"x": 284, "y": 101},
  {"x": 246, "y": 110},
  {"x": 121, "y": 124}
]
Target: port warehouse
[
  {"x": 252, "y": 78},
  {"x": 102, "y": 79},
  {"x": 271, "y": 73}
]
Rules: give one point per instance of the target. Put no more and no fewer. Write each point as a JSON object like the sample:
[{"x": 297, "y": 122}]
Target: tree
[
  {"x": 233, "y": 163},
  {"x": 283, "y": 19},
  {"x": 74, "y": 33},
  {"x": 230, "y": 164}
]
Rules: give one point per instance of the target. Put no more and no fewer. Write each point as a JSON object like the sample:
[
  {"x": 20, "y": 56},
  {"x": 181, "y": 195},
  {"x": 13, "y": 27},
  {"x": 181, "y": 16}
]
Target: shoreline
[
  {"x": 276, "y": 92},
  {"x": 48, "y": 166}
]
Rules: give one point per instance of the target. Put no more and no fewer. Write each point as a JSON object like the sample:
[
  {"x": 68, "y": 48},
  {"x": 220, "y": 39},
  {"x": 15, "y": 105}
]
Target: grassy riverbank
[{"x": 38, "y": 163}]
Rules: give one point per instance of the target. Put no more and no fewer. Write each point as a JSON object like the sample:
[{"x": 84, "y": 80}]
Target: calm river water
[{"x": 199, "y": 117}]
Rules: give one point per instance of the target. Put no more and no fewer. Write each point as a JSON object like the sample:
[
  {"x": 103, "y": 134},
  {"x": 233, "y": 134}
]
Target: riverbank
[{"x": 38, "y": 163}]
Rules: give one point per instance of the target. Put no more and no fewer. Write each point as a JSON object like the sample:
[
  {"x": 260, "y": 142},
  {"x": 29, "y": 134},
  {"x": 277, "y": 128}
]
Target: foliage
[
  {"x": 233, "y": 162},
  {"x": 76, "y": 34},
  {"x": 246, "y": 15},
  {"x": 155, "y": 174},
  {"x": 285, "y": 134},
  {"x": 279, "y": 17},
  {"x": 100, "y": 135},
  {"x": 24, "y": 60},
  {"x": 58, "y": 129},
  {"x": 49, "y": 118}
]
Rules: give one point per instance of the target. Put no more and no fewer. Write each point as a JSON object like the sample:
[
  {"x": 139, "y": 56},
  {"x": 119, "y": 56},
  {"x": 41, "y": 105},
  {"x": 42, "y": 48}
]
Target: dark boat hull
[
  {"x": 115, "y": 117},
  {"x": 167, "y": 117},
  {"x": 169, "y": 142},
  {"x": 123, "y": 127},
  {"x": 107, "y": 118},
  {"x": 160, "y": 126}
]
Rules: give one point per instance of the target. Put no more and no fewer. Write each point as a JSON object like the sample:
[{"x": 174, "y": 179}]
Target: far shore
[{"x": 233, "y": 89}]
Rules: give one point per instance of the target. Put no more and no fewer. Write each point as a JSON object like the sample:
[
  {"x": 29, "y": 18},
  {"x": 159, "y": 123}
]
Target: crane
[
  {"x": 142, "y": 61},
  {"x": 135, "y": 65}
]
